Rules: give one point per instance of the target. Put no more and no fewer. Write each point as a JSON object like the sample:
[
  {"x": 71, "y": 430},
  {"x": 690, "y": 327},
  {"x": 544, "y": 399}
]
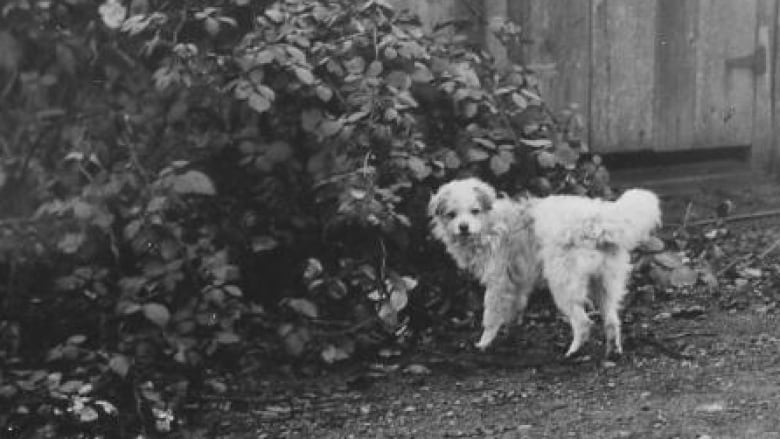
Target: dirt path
[
  {"x": 699, "y": 363},
  {"x": 717, "y": 375}
]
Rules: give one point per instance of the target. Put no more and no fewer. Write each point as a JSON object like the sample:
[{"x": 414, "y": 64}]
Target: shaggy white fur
[{"x": 579, "y": 246}]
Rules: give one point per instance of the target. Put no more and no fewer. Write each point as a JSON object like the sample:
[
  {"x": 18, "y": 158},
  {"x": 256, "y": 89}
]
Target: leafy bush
[{"x": 181, "y": 182}]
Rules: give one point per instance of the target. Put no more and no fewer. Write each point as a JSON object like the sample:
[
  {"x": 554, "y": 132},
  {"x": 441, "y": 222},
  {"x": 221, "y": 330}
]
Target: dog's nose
[{"x": 464, "y": 228}]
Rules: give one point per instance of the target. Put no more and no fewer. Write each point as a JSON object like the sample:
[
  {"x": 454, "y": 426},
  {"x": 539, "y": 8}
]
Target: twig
[
  {"x": 346, "y": 331},
  {"x": 732, "y": 218},
  {"x": 671, "y": 353},
  {"x": 687, "y": 214},
  {"x": 746, "y": 258},
  {"x": 473, "y": 9},
  {"x": 769, "y": 249},
  {"x": 689, "y": 334}
]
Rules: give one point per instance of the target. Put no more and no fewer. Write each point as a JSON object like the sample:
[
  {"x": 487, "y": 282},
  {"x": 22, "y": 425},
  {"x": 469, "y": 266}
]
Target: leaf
[
  {"x": 668, "y": 260},
  {"x": 259, "y": 102},
  {"x": 324, "y": 93},
  {"x": 313, "y": 269},
  {"x": 304, "y": 75},
  {"x": 356, "y": 116},
  {"x": 499, "y": 165},
  {"x": 278, "y": 151},
  {"x": 470, "y": 109},
  {"x": 8, "y": 391},
  {"x": 87, "y": 414},
  {"x": 304, "y": 307},
  {"x": 477, "y": 155},
  {"x": 71, "y": 386},
  {"x": 76, "y": 339},
  {"x": 10, "y": 52},
  {"x": 399, "y": 299},
  {"x": 399, "y": 80},
  {"x": 233, "y": 290},
  {"x": 227, "y": 337},
  {"x": 420, "y": 169},
  {"x": 652, "y": 245},
  {"x": 71, "y": 243},
  {"x": 567, "y": 156},
  {"x": 310, "y": 118},
  {"x": 119, "y": 364},
  {"x": 421, "y": 73},
  {"x": 417, "y": 369},
  {"x": 374, "y": 69},
  {"x": 333, "y": 353},
  {"x": 157, "y": 314},
  {"x": 264, "y": 243},
  {"x": 126, "y": 308},
  {"x": 275, "y": 15},
  {"x": 531, "y": 95},
  {"x": 113, "y": 13},
  {"x": 211, "y": 25},
  {"x": 451, "y": 160},
  {"x": 330, "y": 127},
  {"x": 390, "y": 53},
  {"x": 65, "y": 58},
  {"x": 547, "y": 159},
  {"x": 520, "y": 101},
  {"x": 683, "y": 276},
  {"x": 295, "y": 339},
  {"x": 193, "y": 182},
  {"x": 487, "y": 143},
  {"x": 537, "y": 143},
  {"x": 356, "y": 65},
  {"x": 388, "y": 314}
]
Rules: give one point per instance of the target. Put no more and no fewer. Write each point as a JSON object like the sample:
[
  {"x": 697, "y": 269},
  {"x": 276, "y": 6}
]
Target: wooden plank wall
[
  {"x": 622, "y": 71},
  {"x": 674, "y": 102},
  {"x": 665, "y": 75},
  {"x": 432, "y": 12}
]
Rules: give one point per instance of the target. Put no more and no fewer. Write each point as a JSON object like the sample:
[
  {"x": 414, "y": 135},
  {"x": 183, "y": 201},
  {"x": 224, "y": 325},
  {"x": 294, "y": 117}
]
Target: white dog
[{"x": 579, "y": 246}]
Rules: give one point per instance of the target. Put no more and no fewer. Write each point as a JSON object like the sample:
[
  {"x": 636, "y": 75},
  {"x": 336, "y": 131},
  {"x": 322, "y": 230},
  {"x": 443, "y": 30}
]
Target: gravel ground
[{"x": 700, "y": 362}]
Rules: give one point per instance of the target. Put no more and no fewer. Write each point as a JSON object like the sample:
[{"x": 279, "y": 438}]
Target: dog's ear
[
  {"x": 437, "y": 205},
  {"x": 486, "y": 196}
]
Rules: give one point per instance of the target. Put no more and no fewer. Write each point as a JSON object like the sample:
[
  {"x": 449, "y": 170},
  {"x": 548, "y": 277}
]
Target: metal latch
[{"x": 755, "y": 61}]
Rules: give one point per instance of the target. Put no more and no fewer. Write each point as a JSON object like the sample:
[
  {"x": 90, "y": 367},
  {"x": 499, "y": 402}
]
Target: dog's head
[{"x": 458, "y": 209}]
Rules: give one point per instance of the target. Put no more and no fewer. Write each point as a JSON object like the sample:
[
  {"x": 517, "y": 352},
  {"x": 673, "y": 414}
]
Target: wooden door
[
  {"x": 674, "y": 74},
  {"x": 663, "y": 75}
]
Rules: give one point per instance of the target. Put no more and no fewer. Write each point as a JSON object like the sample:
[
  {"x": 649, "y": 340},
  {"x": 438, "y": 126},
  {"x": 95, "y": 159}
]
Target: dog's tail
[{"x": 638, "y": 212}]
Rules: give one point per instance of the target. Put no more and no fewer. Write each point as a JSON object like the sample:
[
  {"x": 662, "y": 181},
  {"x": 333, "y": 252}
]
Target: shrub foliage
[{"x": 183, "y": 182}]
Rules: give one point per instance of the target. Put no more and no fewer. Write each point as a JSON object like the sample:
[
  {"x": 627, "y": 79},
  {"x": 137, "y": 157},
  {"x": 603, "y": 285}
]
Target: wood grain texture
[
  {"x": 675, "y": 74},
  {"x": 622, "y": 75},
  {"x": 559, "y": 49},
  {"x": 432, "y": 12},
  {"x": 763, "y": 151},
  {"x": 495, "y": 10},
  {"x": 724, "y": 86}
]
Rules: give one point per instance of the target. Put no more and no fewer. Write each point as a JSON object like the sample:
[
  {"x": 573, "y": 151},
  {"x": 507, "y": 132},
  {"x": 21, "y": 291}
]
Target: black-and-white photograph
[{"x": 230, "y": 219}]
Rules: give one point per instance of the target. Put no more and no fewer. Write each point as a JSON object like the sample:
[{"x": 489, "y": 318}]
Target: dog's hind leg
[
  {"x": 521, "y": 304},
  {"x": 499, "y": 310},
  {"x": 614, "y": 282},
  {"x": 570, "y": 295}
]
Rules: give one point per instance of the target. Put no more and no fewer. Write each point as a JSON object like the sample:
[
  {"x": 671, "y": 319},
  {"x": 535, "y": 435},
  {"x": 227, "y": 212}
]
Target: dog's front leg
[{"x": 499, "y": 309}]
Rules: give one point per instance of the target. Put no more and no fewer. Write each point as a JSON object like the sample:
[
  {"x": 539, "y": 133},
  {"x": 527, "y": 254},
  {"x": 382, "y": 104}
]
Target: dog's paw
[
  {"x": 488, "y": 335},
  {"x": 482, "y": 345}
]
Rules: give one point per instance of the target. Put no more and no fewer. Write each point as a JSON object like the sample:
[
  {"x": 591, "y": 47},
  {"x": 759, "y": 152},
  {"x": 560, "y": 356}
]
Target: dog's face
[{"x": 459, "y": 208}]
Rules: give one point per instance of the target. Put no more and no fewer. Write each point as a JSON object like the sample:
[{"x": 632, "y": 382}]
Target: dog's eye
[
  {"x": 450, "y": 215},
  {"x": 475, "y": 211}
]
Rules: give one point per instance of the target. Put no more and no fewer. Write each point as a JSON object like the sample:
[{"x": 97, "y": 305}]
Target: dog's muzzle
[{"x": 463, "y": 229}]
